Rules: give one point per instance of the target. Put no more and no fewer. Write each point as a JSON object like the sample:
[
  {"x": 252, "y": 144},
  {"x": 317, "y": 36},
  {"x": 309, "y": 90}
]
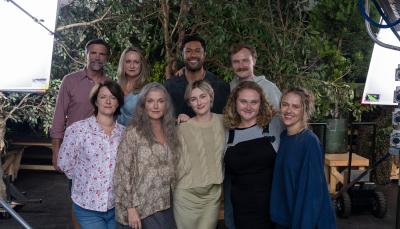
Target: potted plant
[{"x": 335, "y": 104}]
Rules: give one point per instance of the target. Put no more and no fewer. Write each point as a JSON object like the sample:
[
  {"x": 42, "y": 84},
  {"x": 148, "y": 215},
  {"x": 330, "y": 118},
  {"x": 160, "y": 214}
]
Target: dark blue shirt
[{"x": 299, "y": 197}]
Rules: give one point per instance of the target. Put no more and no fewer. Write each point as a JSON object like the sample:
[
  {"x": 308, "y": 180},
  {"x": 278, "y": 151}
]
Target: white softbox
[{"x": 26, "y": 47}]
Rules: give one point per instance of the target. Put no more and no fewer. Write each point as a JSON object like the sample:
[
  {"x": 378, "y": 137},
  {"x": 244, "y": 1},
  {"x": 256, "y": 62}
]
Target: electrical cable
[
  {"x": 372, "y": 35},
  {"x": 386, "y": 19},
  {"x": 370, "y": 20}
]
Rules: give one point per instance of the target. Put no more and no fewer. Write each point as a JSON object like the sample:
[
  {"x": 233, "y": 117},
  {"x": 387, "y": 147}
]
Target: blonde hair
[
  {"x": 202, "y": 85},
  {"x": 144, "y": 70},
  {"x": 231, "y": 116},
  {"x": 307, "y": 101}
]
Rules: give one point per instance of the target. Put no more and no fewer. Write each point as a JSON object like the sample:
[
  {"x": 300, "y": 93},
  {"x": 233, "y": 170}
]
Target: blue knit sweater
[{"x": 299, "y": 197}]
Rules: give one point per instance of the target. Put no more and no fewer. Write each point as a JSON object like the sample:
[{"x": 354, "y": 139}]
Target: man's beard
[
  {"x": 96, "y": 66},
  {"x": 194, "y": 67}
]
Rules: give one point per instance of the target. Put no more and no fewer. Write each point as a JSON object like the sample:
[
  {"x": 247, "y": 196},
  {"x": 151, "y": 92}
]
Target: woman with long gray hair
[{"x": 146, "y": 162}]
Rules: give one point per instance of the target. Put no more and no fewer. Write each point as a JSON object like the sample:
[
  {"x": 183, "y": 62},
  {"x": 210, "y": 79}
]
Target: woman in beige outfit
[
  {"x": 197, "y": 195},
  {"x": 146, "y": 159}
]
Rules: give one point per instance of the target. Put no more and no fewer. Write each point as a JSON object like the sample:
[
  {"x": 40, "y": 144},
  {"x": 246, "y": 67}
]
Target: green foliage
[
  {"x": 381, "y": 174},
  {"x": 276, "y": 29},
  {"x": 157, "y": 72},
  {"x": 342, "y": 52},
  {"x": 324, "y": 49},
  {"x": 312, "y": 49},
  {"x": 33, "y": 108}
]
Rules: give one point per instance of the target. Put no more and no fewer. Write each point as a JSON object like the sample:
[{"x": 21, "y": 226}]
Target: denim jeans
[{"x": 89, "y": 219}]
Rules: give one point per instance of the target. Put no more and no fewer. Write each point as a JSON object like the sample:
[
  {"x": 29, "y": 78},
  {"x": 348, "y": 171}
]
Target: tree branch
[
  {"x": 15, "y": 108},
  {"x": 85, "y": 24},
  {"x": 167, "y": 45},
  {"x": 3, "y": 96},
  {"x": 68, "y": 54},
  {"x": 182, "y": 13}
]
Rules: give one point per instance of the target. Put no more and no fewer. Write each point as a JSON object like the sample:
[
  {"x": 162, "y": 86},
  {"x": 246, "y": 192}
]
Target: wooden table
[
  {"x": 12, "y": 162},
  {"x": 334, "y": 161},
  {"x": 26, "y": 144}
]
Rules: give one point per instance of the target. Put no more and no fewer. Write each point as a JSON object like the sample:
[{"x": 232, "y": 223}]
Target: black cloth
[
  {"x": 250, "y": 165},
  {"x": 176, "y": 87},
  {"x": 159, "y": 220}
]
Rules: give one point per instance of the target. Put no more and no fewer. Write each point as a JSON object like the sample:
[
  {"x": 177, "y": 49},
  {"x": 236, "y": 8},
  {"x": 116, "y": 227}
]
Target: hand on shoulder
[{"x": 182, "y": 118}]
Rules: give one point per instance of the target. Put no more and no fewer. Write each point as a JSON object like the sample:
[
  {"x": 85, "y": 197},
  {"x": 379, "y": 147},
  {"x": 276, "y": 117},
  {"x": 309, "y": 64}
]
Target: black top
[
  {"x": 249, "y": 162},
  {"x": 176, "y": 87}
]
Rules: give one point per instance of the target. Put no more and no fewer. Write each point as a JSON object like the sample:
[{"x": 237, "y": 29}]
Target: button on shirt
[{"x": 87, "y": 156}]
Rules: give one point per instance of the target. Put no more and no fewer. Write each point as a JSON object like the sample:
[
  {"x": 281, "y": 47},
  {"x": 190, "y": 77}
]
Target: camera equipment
[
  {"x": 396, "y": 96},
  {"x": 397, "y": 75},
  {"x": 384, "y": 60},
  {"x": 396, "y": 117},
  {"x": 395, "y": 139}
]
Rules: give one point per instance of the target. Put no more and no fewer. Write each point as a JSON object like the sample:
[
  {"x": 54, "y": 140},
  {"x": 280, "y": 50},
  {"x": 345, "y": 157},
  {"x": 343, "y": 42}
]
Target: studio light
[
  {"x": 395, "y": 139},
  {"x": 396, "y": 96},
  {"x": 397, "y": 75},
  {"x": 396, "y": 117}
]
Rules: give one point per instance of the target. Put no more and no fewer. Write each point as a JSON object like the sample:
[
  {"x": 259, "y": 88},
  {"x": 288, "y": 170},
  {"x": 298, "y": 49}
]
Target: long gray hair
[{"x": 141, "y": 120}]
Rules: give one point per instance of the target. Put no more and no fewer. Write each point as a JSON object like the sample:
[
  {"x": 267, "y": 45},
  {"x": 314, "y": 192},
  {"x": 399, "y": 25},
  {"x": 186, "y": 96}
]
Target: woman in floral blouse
[
  {"x": 87, "y": 156},
  {"x": 146, "y": 161}
]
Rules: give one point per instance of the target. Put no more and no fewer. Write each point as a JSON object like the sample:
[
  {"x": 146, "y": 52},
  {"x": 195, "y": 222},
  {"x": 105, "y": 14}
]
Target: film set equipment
[
  {"x": 24, "y": 33},
  {"x": 381, "y": 89}
]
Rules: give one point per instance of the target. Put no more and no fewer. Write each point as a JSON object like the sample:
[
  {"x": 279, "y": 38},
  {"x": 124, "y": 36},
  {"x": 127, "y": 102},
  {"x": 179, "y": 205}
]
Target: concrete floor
[{"x": 54, "y": 211}]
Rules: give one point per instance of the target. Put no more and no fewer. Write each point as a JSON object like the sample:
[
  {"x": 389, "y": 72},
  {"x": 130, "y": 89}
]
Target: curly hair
[
  {"x": 144, "y": 69},
  {"x": 195, "y": 37},
  {"x": 141, "y": 120},
  {"x": 307, "y": 100},
  {"x": 231, "y": 116}
]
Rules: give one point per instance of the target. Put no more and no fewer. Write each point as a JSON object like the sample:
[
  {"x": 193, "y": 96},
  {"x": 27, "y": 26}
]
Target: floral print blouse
[
  {"x": 143, "y": 178},
  {"x": 87, "y": 156}
]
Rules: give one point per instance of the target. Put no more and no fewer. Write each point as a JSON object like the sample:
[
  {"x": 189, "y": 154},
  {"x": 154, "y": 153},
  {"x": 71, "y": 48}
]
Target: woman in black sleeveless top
[{"x": 249, "y": 158}]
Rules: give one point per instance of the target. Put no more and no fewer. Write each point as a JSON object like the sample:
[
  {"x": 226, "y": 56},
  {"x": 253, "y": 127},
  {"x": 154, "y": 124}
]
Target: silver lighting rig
[{"x": 389, "y": 91}]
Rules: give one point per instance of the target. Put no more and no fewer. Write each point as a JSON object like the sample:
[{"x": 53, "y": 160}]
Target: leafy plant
[{"x": 342, "y": 51}]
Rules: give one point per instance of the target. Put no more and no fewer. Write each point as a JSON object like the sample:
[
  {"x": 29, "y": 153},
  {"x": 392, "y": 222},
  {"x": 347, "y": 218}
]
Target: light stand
[{"x": 14, "y": 214}]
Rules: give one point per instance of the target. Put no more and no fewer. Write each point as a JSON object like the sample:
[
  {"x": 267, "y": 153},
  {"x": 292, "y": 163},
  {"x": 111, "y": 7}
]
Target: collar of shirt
[
  {"x": 84, "y": 75},
  {"x": 98, "y": 129},
  {"x": 253, "y": 78}
]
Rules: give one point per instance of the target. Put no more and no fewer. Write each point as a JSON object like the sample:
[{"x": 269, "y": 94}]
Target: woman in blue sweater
[{"x": 299, "y": 196}]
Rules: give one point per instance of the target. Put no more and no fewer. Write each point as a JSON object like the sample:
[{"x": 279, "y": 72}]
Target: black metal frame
[{"x": 370, "y": 168}]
